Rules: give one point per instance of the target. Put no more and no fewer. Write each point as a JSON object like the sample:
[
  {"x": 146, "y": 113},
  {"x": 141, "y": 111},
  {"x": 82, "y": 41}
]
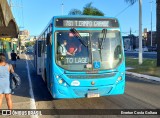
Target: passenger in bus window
[
  {"x": 72, "y": 49},
  {"x": 62, "y": 49}
]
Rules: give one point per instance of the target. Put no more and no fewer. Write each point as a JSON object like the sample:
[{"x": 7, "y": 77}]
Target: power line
[
  {"x": 132, "y": 3},
  {"x": 123, "y": 10}
]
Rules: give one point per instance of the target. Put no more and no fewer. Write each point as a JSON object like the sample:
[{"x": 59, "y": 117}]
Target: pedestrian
[
  {"x": 5, "y": 89},
  {"x": 13, "y": 58}
]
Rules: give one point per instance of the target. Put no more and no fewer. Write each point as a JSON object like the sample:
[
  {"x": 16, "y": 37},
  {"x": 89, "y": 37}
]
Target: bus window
[
  {"x": 39, "y": 48},
  {"x": 71, "y": 52},
  {"x": 107, "y": 52}
]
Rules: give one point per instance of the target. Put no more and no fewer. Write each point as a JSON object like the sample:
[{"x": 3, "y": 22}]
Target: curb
[{"x": 144, "y": 76}]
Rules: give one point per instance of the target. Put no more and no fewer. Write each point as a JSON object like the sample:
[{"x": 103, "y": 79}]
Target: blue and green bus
[{"x": 82, "y": 56}]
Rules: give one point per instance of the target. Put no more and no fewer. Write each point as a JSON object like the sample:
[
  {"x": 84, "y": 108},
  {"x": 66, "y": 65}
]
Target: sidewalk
[{"x": 141, "y": 75}]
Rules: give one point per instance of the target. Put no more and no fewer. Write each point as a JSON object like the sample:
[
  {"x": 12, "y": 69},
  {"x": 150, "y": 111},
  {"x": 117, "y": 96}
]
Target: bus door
[
  {"x": 35, "y": 55},
  {"x": 48, "y": 60},
  {"x": 38, "y": 57}
]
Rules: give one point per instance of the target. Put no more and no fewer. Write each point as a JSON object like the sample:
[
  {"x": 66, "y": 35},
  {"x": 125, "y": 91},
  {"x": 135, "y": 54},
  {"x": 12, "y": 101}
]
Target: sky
[{"x": 34, "y": 15}]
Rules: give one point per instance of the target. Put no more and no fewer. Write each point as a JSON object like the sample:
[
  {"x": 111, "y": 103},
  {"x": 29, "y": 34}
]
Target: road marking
[
  {"x": 31, "y": 61},
  {"x": 32, "y": 100}
]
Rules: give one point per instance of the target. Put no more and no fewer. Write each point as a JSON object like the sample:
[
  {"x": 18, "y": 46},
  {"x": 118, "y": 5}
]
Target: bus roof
[{"x": 83, "y": 16}]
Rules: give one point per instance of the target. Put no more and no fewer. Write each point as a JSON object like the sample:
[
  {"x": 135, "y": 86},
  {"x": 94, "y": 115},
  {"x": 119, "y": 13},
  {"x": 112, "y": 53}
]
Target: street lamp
[
  {"x": 62, "y": 7},
  {"x": 140, "y": 33},
  {"x": 151, "y": 21},
  {"x": 19, "y": 43}
]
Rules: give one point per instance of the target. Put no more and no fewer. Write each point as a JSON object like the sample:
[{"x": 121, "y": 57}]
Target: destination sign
[
  {"x": 88, "y": 23},
  {"x": 96, "y": 23},
  {"x": 76, "y": 60}
]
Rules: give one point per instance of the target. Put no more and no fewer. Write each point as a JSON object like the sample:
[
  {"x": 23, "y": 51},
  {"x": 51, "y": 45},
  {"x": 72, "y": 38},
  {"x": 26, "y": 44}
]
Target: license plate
[{"x": 92, "y": 95}]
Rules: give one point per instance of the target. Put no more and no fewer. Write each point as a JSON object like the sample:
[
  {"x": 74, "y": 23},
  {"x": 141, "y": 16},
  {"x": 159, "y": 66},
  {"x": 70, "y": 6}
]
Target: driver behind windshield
[{"x": 63, "y": 51}]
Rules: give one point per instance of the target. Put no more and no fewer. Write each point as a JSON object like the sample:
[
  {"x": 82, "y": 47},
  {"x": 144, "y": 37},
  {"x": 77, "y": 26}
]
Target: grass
[{"x": 148, "y": 67}]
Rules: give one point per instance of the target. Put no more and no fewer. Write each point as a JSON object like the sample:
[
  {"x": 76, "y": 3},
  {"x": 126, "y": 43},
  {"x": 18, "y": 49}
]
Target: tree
[
  {"x": 75, "y": 12},
  {"x": 27, "y": 44},
  {"x": 130, "y": 1},
  {"x": 87, "y": 10},
  {"x": 90, "y": 10}
]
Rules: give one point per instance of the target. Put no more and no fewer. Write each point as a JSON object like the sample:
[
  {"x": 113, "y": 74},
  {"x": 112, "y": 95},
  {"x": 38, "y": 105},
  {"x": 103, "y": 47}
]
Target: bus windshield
[{"x": 100, "y": 53}]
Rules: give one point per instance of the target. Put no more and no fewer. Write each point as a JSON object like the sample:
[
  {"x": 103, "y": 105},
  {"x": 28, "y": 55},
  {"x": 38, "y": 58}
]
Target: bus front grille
[
  {"x": 83, "y": 93},
  {"x": 94, "y": 76}
]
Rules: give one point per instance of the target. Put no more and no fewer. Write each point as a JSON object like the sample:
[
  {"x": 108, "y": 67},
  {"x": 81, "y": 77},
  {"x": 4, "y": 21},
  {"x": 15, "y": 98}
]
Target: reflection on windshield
[
  {"x": 79, "y": 37},
  {"x": 72, "y": 55}
]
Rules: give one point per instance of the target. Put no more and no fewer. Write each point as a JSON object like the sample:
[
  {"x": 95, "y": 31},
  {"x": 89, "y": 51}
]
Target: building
[
  {"x": 130, "y": 42},
  {"x": 24, "y": 33},
  {"x": 23, "y": 37},
  {"x": 148, "y": 38}
]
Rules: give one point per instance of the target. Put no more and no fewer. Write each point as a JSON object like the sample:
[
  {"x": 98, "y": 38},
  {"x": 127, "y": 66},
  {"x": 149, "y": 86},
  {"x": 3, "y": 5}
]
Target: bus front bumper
[{"x": 61, "y": 92}]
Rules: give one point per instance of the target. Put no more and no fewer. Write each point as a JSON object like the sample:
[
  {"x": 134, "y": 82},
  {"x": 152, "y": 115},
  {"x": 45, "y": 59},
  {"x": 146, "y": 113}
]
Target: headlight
[
  {"x": 60, "y": 81},
  {"x": 119, "y": 79}
]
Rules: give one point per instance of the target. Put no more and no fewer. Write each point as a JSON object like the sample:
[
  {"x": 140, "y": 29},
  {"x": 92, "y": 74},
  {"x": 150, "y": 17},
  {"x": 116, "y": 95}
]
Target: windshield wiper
[
  {"x": 76, "y": 34},
  {"x": 104, "y": 33},
  {"x": 100, "y": 41}
]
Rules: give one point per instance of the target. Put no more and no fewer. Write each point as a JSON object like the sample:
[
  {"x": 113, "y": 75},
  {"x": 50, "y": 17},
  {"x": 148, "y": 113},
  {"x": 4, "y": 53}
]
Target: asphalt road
[
  {"x": 140, "y": 94},
  {"x": 151, "y": 55}
]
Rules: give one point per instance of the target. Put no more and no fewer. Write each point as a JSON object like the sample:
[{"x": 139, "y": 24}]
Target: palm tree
[
  {"x": 87, "y": 10},
  {"x": 130, "y": 1}
]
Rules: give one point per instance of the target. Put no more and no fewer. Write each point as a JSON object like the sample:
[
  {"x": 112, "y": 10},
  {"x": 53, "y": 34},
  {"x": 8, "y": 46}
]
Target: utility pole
[
  {"x": 140, "y": 33},
  {"x": 10, "y": 3},
  {"x": 151, "y": 20},
  {"x": 131, "y": 40},
  {"x": 62, "y": 7}
]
